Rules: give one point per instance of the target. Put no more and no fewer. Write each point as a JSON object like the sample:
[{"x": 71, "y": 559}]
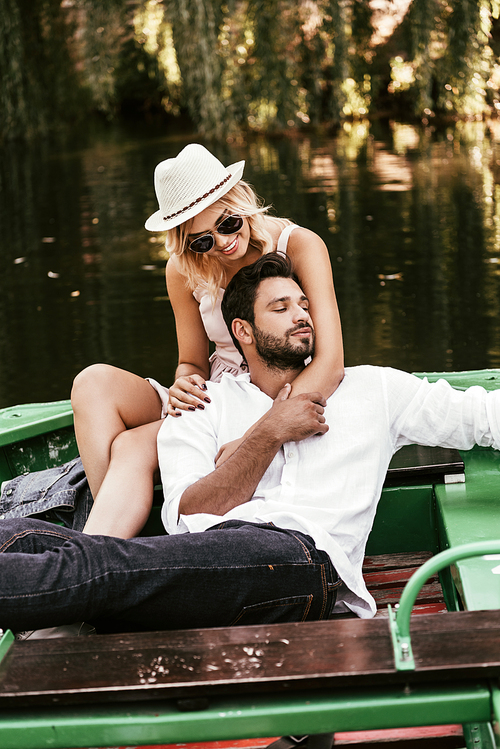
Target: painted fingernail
[
  {"x": 204, "y": 387},
  {"x": 207, "y": 400},
  {"x": 192, "y": 408},
  {"x": 200, "y": 405}
]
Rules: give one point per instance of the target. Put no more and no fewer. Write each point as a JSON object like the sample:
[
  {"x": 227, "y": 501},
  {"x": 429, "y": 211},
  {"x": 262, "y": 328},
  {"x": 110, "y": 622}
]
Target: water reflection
[{"x": 411, "y": 220}]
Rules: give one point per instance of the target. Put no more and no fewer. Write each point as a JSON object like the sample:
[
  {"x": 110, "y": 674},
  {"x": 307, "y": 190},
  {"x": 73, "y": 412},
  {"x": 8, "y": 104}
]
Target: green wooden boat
[{"x": 444, "y": 671}]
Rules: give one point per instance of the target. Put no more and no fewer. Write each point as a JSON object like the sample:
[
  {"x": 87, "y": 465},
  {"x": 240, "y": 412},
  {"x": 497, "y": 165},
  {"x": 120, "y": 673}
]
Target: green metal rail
[
  {"x": 399, "y": 619},
  {"x": 226, "y": 719}
]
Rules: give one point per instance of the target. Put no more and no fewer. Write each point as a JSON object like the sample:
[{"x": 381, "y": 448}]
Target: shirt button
[{"x": 291, "y": 454}]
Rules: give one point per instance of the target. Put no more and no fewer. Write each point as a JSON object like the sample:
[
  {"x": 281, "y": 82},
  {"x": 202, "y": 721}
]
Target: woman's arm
[
  {"x": 193, "y": 367},
  {"x": 311, "y": 263},
  {"x": 324, "y": 374}
]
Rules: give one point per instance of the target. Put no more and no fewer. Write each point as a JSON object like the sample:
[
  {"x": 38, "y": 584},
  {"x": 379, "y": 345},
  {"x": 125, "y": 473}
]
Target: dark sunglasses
[{"x": 229, "y": 225}]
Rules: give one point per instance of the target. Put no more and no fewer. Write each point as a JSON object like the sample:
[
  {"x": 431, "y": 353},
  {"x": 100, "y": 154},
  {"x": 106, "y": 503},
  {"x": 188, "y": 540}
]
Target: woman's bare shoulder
[
  {"x": 174, "y": 273},
  {"x": 173, "y": 267},
  {"x": 304, "y": 240},
  {"x": 300, "y": 233},
  {"x": 275, "y": 226},
  {"x": 176, "y": 279}
]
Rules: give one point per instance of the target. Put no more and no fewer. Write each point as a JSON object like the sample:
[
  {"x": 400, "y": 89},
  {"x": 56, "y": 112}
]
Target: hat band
[{"x": 198, "y": 200}]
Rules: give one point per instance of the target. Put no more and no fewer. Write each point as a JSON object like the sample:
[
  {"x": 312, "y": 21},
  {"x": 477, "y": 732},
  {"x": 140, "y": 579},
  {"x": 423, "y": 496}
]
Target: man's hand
[
  {"x": 295, "y": 419},
  {"x": 235, "y": 479},
  {"x": 227, "y": 450},
  {"x": 317, "y": 425}
]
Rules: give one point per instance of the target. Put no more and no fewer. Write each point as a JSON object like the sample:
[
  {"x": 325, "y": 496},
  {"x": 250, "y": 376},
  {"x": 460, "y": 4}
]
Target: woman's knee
[
  {"x": 92, "y": 383},
  {"x": 136, "y": 446},
  {"x": 101, "y": 391}
]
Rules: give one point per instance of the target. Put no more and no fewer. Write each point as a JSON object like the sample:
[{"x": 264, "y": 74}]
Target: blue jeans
[
  {"x": 234, "y": 573},
  {"x": 61, "y": 493}
]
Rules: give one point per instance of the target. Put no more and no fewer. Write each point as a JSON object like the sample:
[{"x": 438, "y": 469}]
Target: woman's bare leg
[
  {"x": 123, "y": 503},
  {"x": 107, "y": 401}
]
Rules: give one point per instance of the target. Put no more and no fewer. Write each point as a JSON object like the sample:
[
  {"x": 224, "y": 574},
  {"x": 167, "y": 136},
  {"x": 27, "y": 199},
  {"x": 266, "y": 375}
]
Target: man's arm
[
  {"x": 435, "y": 413},
  {"x": 234, "y": 482}
]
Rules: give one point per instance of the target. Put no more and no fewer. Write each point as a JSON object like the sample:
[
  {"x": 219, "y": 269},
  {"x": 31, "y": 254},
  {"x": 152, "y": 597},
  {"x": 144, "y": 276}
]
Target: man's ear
[{"x": 242, "y": 331}]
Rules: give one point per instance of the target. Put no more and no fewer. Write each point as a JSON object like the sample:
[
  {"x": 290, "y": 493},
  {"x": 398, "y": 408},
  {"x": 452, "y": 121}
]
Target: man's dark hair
[{"x": 239, "y": 298}]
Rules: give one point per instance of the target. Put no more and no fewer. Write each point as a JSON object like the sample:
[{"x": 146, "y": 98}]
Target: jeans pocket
[{"x": 291, "y": 609}]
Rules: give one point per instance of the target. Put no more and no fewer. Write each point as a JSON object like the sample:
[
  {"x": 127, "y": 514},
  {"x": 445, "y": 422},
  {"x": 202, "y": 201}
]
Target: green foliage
[
  {"x": 467, "y": 50},
  {"x": 421, "y": 23},
  {"x": 337, "y": 70},
  {"x": 196, "y": 25},
  {"x": 449, "y": 67},
  {"x": 37, "y": 76},
  {"x": 104, "y": 31},
  {"x": 245, "y": 64},
  {"x": 272, "y": 91},
  {"x": 139, "y": 82}
]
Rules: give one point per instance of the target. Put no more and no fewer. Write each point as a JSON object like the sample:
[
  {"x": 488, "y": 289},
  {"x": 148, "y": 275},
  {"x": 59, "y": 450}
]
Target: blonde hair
[{"x": 240, "y": 199}]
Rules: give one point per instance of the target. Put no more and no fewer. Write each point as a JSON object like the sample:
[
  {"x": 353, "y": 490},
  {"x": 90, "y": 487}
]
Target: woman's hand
[{"x": 187, "y": 394}]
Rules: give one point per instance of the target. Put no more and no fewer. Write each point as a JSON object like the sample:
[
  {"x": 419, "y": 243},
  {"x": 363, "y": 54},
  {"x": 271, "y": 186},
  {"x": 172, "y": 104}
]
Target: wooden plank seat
[{"x": 201, "y": 664}]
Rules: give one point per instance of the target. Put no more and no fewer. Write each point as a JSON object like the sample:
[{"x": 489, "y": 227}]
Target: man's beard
[{"x": 279, "y": 352}]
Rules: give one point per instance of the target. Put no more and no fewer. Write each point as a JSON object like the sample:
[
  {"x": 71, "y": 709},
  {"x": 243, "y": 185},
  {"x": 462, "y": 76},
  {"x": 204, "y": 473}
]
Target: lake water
[{"x": 411, "y": 218}]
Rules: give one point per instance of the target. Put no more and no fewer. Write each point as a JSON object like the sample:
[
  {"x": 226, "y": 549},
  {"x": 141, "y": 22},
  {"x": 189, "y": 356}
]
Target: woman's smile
[{"x": 231, "y": 248}]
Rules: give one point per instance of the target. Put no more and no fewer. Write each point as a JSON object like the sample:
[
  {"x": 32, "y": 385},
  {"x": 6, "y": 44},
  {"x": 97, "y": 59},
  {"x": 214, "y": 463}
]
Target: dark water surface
[{"x": 411, "y": 219}]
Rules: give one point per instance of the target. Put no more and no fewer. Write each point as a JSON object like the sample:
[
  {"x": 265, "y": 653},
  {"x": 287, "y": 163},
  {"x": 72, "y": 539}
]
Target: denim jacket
[{"x": 61, "y": 494}]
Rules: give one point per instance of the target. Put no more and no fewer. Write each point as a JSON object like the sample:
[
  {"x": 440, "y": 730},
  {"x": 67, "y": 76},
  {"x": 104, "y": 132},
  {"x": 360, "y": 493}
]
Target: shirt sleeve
[
  {"x": 437, "y": 414},
  {"x": 187, "y": 446}
]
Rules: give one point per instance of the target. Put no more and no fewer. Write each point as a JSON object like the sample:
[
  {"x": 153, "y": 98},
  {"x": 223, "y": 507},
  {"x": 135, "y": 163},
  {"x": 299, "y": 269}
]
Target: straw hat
[{"x": 188, "y": 184}]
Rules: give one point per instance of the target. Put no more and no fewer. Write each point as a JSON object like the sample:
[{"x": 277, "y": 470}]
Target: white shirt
[{"x": 327, "y": 486}]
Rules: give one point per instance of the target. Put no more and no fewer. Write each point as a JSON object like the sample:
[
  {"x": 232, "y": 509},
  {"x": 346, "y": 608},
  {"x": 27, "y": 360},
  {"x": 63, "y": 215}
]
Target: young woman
[{"x": 215, "y": 226}]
